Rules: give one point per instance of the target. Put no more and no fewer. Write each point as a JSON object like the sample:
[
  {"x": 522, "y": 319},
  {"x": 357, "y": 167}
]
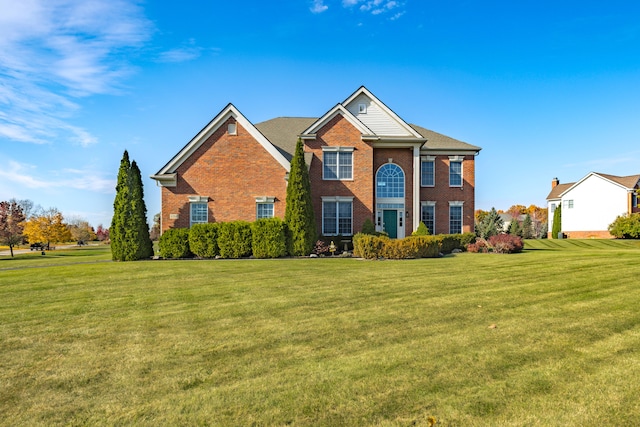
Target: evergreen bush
[
  {"x": 203, "y": 240},
  {"x": 557, "y": 222},
  {"x": 269, "y": 238},
  {"x": 368, "y": 227},
  {"x": 422, "y": 230},
  {"x": 234, "y": 239},
  {"x": 174, "y": 243}
]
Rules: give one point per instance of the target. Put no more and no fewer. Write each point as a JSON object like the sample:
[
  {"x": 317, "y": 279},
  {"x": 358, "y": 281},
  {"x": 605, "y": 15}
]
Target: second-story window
[{"x": 337, "y": 163}]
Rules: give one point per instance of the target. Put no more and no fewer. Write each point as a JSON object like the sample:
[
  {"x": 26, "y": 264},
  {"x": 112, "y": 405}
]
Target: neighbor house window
[
  {"x": 567, "y": 204},
  {"x": 199, "y": 213},
  {"x": 634, "y": 200},
  {"x": 427, "y": 172},
  {"x": 455, "y": 173},
  {"x": 337, "y": 215},
  {"x": 428, "y": 215},
  {"x": 455, "y": 217},
  {"x": 390, "y": 181},
  {"x": 553, "y": 207},
  {"x": 337, "y": 163}
]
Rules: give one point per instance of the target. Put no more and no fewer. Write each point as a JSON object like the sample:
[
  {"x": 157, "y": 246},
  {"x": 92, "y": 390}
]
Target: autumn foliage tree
[
  {"x": 47, "y": 227},
  {"x": 11, "y": 223}
]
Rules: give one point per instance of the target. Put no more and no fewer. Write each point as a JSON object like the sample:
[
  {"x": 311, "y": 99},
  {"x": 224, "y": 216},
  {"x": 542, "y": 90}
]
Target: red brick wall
[
  {"x": 442, "y": 193},
  {"x": 339, "y": 132},
  {"x": 232, "y": 170}
]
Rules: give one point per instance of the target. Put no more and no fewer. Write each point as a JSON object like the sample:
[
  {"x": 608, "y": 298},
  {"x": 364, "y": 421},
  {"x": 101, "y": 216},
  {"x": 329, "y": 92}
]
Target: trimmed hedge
[
  {"x": 234, "y": 239},
  {"x": 174, "y": 243},
  {"x": 203, "y": 240},
  {"x": 374, "y": 247},
  {"x": 269, "y": 238}
]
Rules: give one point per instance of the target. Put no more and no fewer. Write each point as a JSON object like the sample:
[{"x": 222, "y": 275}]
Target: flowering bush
[{"x": 506, "y": 243}]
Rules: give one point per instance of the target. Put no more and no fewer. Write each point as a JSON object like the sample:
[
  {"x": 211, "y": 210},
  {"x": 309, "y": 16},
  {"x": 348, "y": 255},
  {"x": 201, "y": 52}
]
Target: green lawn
[{"x": 549, "y": 337}]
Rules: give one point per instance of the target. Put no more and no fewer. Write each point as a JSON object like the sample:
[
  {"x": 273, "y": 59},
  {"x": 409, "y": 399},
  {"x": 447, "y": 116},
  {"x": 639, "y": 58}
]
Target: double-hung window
[
  {"x": 428, "y": 215},
  {"x": 337, "y": 163},
  {"x": 455, "y": 171},
  {"x": 567, "y": 204},
  {"x": 427, "y": 171},
  {"x": 337, "y": 216},
  {"x": 455, "y": 217}
]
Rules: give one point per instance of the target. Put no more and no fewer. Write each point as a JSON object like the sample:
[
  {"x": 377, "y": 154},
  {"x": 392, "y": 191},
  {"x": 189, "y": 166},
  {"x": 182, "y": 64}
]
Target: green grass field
[{"x": 548, "y": 337}]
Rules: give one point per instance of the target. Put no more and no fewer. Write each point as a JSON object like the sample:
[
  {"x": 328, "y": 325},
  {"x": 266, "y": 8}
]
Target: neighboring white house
[{"x": 591, "y": 204}]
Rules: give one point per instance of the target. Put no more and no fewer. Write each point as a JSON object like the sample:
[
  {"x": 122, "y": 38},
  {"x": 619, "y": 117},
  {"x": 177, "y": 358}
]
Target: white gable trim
[
  {"x": 364, "y": 91},
  {"x": 195, "y": 143},
  {"x": 311, "y": 131},
  {"x": 590, "y": 174}
]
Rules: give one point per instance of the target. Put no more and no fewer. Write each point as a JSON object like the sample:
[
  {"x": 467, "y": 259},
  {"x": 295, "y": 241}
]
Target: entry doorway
[{"x": 390, "y": 222}]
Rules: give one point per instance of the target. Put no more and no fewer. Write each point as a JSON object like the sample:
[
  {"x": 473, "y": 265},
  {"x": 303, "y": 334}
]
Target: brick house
[
  {"x": 591, "y": 204},
  {"x": 364, "y": 162}
]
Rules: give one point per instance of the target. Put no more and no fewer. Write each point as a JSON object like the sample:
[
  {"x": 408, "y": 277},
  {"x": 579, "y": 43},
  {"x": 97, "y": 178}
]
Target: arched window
[{"x": 390, "y": 181}]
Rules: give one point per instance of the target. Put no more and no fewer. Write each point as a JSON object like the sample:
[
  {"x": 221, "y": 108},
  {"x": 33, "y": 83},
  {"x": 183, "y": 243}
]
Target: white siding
[
  {"x": 596, "y": 204},
  {"x": 375, "y": 118}
]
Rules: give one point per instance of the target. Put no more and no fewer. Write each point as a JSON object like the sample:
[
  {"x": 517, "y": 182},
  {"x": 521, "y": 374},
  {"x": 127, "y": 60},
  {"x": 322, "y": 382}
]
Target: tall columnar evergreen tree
[
  {"x": 121, "y": 210},
  {"x": 142, "y": 248},
  {"x": 527, "y": 227},
  {"x": 299, "y": 215},
  {"x": 129, "y": 232},
  {"x": 557, "y": 222}
]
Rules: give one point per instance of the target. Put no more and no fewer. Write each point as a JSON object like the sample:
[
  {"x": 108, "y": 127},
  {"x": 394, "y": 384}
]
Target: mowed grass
[{"x": 547, "y": 337}]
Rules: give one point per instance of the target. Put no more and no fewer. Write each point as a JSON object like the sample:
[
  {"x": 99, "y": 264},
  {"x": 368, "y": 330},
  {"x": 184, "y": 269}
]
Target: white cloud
[
  {"x": 376, "y": 7},
  {"x": 27, "y": 176},
  {"x": 55, "y": 51},
  {"x": 318, "y": 6}
]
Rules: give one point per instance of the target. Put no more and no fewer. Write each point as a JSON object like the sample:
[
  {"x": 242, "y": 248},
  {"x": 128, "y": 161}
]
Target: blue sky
[{"x": 545, "y": 88}]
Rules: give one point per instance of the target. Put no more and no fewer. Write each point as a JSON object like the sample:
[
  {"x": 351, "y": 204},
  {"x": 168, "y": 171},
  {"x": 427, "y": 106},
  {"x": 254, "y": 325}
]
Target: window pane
[
  {"x": 344, "y": 218},
  {"x": 427, "y": 174},
  {"x": 330, "y": 168},
  {"x": 390, "y": 181},
  {"x": 455, "y": 174},
  {"x": 346, "y": 166},
  {"x": 265, "y": 210},
  {"x": 329, "y": 220},
  {"x": 428, "y": 217},
  {"x": 198, "y": 213},
  {"x": 455, "y": 219}
]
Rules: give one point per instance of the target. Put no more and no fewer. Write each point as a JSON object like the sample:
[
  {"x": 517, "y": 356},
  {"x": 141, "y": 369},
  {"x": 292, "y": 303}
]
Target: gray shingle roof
[
  {"x": 438, "y": 141},
  {"x": 283, "y": 133}
]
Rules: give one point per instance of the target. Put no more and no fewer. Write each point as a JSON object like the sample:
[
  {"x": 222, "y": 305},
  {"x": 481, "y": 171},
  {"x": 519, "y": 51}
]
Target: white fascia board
[
  {"x": 590, "y": 174},
  {"x": 424, "y": 152},
  {"x": 384, "y": 108},
  {"x": 195, "y": 143},
  {"x": 338, "y": 109}
]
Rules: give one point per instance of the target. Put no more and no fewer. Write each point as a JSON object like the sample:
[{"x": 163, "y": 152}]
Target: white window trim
[
  {"x": 266, "y": 200},
  {"x": 199, "y": 202},
  {"x": 429, "y": 203},
  {"x": 337, "y": 150},
  {"x": 431, "y": 159},
  {"x": 457, "y": 159},
  {"x": 457, "y": 204},
  {"x": 362, "y": 108},
  {"x": 232, "y": 128},
  {"x": 336, "y": 199}
]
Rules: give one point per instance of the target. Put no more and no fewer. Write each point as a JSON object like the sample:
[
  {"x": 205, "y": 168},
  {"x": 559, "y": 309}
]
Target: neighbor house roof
[{"x": 629, "y": 182}]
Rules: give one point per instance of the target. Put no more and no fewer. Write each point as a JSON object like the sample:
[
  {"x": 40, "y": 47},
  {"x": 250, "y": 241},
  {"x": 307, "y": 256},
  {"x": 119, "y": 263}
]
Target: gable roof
[
  {"x": 628, "y": 182},
  {"x": 167, "y": 173}
]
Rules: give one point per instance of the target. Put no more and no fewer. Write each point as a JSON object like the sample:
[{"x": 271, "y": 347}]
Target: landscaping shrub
[
  {"x": 269, "y": 238},
  {"x": 368, "y": 227},
  {"x": 234, "y": 239},
  {"x": 368, "y": 246},
  {"x": 174, "y": 243},
  {"x": 203, "y": 240},
  {"x": 479, "y": 246},
  {"x": 626, "y": 227},
  {"x": 374, "y": 247},
  {"x": 506, "y": 243},
  {"x": 321, "y": 248},
  {"x": 422, "y": 230}
]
